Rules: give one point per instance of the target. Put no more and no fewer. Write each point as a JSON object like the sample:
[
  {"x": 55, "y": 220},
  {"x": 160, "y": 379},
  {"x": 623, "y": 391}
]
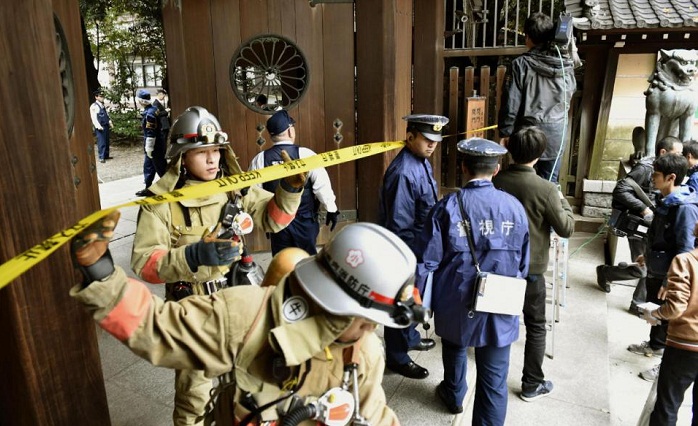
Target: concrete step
[{"x": 588, "y": 224}]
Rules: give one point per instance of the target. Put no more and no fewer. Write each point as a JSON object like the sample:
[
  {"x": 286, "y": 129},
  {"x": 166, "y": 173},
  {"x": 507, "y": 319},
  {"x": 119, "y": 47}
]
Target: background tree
[{"x": 117, "y": 35}]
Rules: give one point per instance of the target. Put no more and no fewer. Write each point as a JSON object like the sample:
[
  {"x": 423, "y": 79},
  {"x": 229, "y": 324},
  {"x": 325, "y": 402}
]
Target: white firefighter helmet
[
  {"x": 195, "y": 128},
  {"x": 366, "y": 271}
]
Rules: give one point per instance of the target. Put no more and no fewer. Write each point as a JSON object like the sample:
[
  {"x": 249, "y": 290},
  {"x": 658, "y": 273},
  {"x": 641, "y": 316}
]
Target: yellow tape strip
[
  {"x": 21, "y": 263},
  {"x": 18, "y": 265},
  {"x": 481, "y": 129}
]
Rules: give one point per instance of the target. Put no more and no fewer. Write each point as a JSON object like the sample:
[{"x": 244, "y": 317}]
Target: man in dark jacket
[
  {"x": 409, "y": 192},
  {"x": 545, "y": 207},
  {"x": 538, "y": 92},
  {"x": 671, "y": 233},
  {"x": 625, "y": 197},
  {"x": 690, "y": 151}
]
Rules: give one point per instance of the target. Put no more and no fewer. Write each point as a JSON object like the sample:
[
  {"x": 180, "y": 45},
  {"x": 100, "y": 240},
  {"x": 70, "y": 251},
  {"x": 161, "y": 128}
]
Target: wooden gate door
[{"x": 222, "y": 54}]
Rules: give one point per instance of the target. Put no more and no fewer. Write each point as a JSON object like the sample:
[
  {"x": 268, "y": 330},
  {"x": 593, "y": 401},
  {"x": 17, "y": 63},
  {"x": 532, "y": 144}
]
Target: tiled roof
[{"x": 608, "y": 14}]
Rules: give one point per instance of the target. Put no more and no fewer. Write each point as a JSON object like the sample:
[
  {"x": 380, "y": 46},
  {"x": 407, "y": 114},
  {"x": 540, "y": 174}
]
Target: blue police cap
[
  {"x": 143, "y": 94},
  {"x": 430, "y": 126},
  {"x": 98, "y": 92},
  {"x": 479, "y": 147},
  {"x": 279, "y": 122}
]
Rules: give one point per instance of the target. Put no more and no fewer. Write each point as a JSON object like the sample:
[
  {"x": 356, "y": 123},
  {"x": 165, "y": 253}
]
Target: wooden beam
[
  {"x": 452, "y": 141},
  {"x": 485, "y": 92},
  {"x": 501, "y": 74},
  {"x": 383, "y": 60},
  {"x": 485, "y": 51},
  {"x": 428, "y": 66},
  {"x": 604, "y": 112},
  {"x": 50, "y": 366}
]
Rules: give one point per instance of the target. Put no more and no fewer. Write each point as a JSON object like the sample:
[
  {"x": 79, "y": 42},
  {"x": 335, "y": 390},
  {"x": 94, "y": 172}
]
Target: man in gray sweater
[{"x": 545, "y": 207}]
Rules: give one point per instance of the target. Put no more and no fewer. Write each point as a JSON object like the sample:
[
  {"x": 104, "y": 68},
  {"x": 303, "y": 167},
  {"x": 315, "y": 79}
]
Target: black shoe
[
  {"x": 410, "y": 370},
  {"x": 543, "y": 389},
  {"x": 601, "y": 279},
  {"x": 451, "y": 406},
  {"x": 109, "y": 158},
  {"x": 424, "y": 345},
  {"x": 102, "y": 160},
  {"x": 144, "y": 193}
]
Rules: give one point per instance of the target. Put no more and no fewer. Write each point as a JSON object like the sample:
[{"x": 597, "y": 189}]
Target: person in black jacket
[
  {"x": 538, "y": 92},
  {"x": 625, "y": 198}
]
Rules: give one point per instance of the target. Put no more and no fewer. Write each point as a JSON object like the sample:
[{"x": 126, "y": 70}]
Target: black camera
[{"x": 626, "y": 224}]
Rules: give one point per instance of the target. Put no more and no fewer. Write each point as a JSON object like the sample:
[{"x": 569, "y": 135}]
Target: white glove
[
  {"x": 100, "y": 128},
  {"x": 149, "y": 147}
]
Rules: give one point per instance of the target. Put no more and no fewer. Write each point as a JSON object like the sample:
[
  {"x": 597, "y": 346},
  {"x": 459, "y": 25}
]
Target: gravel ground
[{"x": 127, "y": 162}]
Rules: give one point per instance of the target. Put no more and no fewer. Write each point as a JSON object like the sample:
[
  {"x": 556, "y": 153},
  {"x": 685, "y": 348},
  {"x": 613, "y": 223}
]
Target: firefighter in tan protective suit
[
  {"x": 168, "y": 245},
  {"x": 303, "y": 352}
]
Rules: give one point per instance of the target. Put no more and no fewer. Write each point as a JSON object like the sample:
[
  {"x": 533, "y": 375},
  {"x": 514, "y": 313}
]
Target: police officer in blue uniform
[
  {"x": 102, "y": 123},
  {"x": 304, "y": 229},
  {"x": 501, "y": 241},
  {"x": 409, "y": 191},
  {"x": 154, "y": 143}
]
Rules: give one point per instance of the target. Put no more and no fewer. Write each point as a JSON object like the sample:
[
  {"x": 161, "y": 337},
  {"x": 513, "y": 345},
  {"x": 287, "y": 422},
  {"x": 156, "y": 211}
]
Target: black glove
[
  {"x": 214, "y": 253},
  {"x": 90, "y": 250},
  {"x": 332, "y": 219}
]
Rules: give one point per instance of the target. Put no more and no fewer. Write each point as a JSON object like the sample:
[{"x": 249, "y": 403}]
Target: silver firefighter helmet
[{"x": 195, "y": 128}]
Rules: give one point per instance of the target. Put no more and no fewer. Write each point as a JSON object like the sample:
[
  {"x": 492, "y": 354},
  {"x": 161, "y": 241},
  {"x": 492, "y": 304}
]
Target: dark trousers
[
  {"x": 397, "y": 343},
  {"x": 544, "y": 169},
  {"x": 301, "y": 233},
  {"x": 157, "y": 164},
  {"x": 103, "y": 142},
  {"x": 491, "y": 394},
  {"x": 657, "y": 332},
  {"x": 631, "y": 272},
  {"x": 678, "y": 371},
  {"x": 534, "y": 320}
]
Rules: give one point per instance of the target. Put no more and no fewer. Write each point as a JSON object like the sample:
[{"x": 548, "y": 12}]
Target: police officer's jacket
[
  {"x": 216, "y": 334},
  {"x": 99, "y": 115},
  {"x": 409, "y": 192},
  {"x": 500, "y": 233},
  {"x": 150, "y": 123}
]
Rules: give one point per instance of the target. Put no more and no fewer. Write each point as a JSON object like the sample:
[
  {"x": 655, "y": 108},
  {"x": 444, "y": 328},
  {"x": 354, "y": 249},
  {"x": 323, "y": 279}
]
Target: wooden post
[
  {"x": 383, "y": 57},
  {"x": 501, "y": 73},
  {"x": 428, "y": 68},
  {"x": 50, "y": 363},
  {"x": 604, "y": 112},
  {"x": 452, "y": 165},
  {"x": 485, "y": 93}
]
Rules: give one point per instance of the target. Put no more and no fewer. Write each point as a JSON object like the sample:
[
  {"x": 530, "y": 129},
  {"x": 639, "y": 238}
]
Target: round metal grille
[{"x": 269, "y": 72}]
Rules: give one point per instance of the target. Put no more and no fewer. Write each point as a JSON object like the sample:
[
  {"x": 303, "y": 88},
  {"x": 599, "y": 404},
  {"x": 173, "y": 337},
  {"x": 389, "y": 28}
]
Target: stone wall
[{"x": 597, "y": 198}]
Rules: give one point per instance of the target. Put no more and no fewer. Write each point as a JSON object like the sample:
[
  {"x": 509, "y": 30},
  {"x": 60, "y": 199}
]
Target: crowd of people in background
[{"x": 334, "y": 298}]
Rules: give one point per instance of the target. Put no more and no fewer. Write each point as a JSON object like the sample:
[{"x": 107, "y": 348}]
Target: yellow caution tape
[
  {"x": 18, "y": 265},
  {"x": 481, "y": 129},
  {"x": 21, "y": 263}
]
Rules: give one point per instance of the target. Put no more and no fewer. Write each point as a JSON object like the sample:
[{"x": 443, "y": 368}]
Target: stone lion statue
[{"x": 671, "y": 99}]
